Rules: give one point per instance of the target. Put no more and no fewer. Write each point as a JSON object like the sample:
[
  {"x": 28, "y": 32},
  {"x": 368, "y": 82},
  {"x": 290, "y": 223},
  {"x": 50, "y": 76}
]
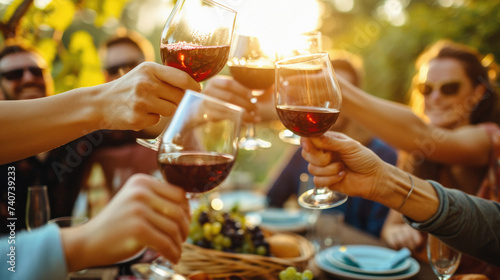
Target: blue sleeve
[
  {"x": 33, "y": 255},
  {"x": 465, "y": 222},
  {"x": 287, "y": 183}
]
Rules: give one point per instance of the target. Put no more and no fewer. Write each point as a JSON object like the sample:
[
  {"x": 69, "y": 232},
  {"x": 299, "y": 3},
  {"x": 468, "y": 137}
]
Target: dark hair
[
  {"x": 14, "y": 48},
  {"x": 487, "y": 109},
  {"x": 132, "y": 38}
]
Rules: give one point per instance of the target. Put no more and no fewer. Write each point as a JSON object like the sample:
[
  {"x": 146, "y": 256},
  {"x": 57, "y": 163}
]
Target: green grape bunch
[
  {"x": 226, "y": 231},
  {"x": 291, "y": 273}
]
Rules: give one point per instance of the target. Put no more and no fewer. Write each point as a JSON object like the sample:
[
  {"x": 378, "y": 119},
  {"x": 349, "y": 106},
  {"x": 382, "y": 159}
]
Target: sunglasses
[
  {"x": 448, "y": 88},
  {"x": 113, "y": 70},
  {"x": 17, "y": 74}
]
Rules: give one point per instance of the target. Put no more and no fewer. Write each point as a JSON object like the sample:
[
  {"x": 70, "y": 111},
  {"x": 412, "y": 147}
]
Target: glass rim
[
  {"x": 301, "y": 58},
  {"x": 215, "y": 100},
  {"x": 221, "y": 6}
]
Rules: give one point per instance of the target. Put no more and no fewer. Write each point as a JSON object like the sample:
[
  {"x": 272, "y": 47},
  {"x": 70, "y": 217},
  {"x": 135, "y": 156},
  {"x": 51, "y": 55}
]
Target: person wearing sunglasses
[
  {"x": 24, "y": 75},
  {"x": 449, "y": 134}
]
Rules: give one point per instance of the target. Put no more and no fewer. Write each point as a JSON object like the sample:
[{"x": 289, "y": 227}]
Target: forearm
[
  {"x": 422, "y": 203},
  {"x": 45, "y": 123},
  {"x": 468, "y": 223},
  {"x": 400, "y": 127}
]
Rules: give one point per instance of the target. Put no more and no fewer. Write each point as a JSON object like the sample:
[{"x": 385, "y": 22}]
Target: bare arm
[
  {"x": 398, "y": 125},
  {"x": 374, "y": 179},
  {"x": 132, "y": 102}
]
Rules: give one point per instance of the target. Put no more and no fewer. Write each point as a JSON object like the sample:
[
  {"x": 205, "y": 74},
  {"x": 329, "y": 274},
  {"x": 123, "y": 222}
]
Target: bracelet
[{"x": 409, "y": 193}]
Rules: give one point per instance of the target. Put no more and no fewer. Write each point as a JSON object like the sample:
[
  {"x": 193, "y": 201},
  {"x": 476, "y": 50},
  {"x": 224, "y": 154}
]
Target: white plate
[
  {"x": 278, "y": 219},
  {"x": 371, "y": 258},
  {"x": 322, "y": 262}
]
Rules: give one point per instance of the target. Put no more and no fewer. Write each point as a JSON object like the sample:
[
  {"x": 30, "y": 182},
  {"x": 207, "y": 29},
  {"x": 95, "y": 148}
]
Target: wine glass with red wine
[
  {"x": 196, "y": 39},
  {"x": 304, "y": 43},
  {"x": 252, "y": 67},
  {"x": 308, "y": 101},
  {"x": 198, "y": 149}
]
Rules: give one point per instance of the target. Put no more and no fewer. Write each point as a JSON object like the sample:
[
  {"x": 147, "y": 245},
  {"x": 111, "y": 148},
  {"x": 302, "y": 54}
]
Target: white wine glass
[
  {"x": 198, "y": 149},
  {"x": 37, "y": 207},
  {"x": 304, "y": 43},
  {"x": 196, "y": 39},
  {"x": 252, "y": 67},
  {"x": 308, "y": 101},
  {"x": 444, "y": 260}
]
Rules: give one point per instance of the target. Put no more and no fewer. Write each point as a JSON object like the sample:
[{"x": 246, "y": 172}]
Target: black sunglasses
[
  {"x": 17, "y": 74},
  {"x": 113, "y": 70},
  {"x": 448, "y": 88}
]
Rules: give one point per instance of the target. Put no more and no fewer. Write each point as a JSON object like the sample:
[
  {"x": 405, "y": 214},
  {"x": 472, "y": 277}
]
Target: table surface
[{"x": 350, "y": 236}]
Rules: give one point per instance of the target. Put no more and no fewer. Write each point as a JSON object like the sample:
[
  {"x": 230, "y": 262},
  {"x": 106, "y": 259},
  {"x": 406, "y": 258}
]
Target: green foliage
[{"x": 389, "y": 51}]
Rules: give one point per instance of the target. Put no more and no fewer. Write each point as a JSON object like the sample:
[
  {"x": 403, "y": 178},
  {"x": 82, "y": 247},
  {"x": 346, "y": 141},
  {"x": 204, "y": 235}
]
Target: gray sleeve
[
  {"x": 33, "y": 255},
  {"x": 465, "y": 222}
]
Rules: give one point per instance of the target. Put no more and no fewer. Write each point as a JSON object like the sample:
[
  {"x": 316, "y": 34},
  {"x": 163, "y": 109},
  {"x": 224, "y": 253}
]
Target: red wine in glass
[
  {"x": 195, "y": 172},
  {"x": 307, "y": 121},
  {"x": 200, "y": 62}
]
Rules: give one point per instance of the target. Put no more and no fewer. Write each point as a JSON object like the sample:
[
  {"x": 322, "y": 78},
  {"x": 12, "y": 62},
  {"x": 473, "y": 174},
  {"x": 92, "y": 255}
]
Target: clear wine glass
[
  {"x": 199, "y": 147},
  {"x": 304, "y": 43},
  {"x": 252, "y": 67},
  {"x": 196, "y": 39},
  {"x": 37, "y": 207},
  {"x": 308, "y": 101},
  {"x": 444, "y": 260}
]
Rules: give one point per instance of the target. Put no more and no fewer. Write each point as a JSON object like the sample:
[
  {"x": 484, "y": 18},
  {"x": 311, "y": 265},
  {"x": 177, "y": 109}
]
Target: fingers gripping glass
[
  {"x": 308, "y": 101},
  {"x": 17, "y": 74},
  {"x": 448, "y": 88}
]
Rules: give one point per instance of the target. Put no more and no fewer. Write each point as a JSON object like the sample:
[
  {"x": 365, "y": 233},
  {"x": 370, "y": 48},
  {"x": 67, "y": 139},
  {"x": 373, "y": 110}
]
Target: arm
[
  {"x": 467, "y": 145},
  {"x": 450, "y": 214},
  {"x": 38, "y": 255},
  {"x": 133, "y": 102},
  {"x": 374, "y": 179},
  {"x": 465, "y": 222},
  {"x": 150, "y": 213}
]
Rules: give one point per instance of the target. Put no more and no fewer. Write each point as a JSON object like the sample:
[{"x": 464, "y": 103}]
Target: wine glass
[
  {"x": 37, "y": 207},
  {"x": 443, "y": 259},
  {"x": 308, "y": 100},
  {"x": 304, "y": 43},
  {"x": 199, "y": 147},
  {"x": 252, "y": 67},
  {"x": 196, "y": 39}
]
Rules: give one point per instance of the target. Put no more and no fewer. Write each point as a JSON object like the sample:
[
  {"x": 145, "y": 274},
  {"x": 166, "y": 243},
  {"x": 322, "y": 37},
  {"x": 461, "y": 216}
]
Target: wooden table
[{"x": 353, "y": 236}]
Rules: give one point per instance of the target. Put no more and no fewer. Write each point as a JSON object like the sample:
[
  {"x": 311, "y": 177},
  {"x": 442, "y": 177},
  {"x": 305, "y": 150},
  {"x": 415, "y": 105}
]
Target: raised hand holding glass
[{"x": 308, "y": 101}]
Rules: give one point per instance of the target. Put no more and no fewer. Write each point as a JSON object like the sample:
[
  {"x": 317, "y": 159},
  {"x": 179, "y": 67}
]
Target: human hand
[
  {"x": 137, "y": 99},
  {"x": 145, "y": 212},
  {"x": 398, "y": 236},
  {"x": 340, "y": 163},
  {"x": 229, "y": 90}
]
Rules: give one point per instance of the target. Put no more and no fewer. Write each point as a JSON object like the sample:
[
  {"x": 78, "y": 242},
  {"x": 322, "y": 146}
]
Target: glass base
[
  {"x": 152, "y": 144},
  {"x": 322, "y": 198},
  {"x": 289, "y": 137},
  {"x": 162, "y": 270},
  {"x": 253, "y": 144}
]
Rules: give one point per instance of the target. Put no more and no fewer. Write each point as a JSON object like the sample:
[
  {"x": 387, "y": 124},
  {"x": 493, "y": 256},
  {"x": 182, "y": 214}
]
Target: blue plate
[
  {"x": 322, "y": 261},
  {"x": 278, "y": 219},
  {"x": 373, "y": 259}
]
